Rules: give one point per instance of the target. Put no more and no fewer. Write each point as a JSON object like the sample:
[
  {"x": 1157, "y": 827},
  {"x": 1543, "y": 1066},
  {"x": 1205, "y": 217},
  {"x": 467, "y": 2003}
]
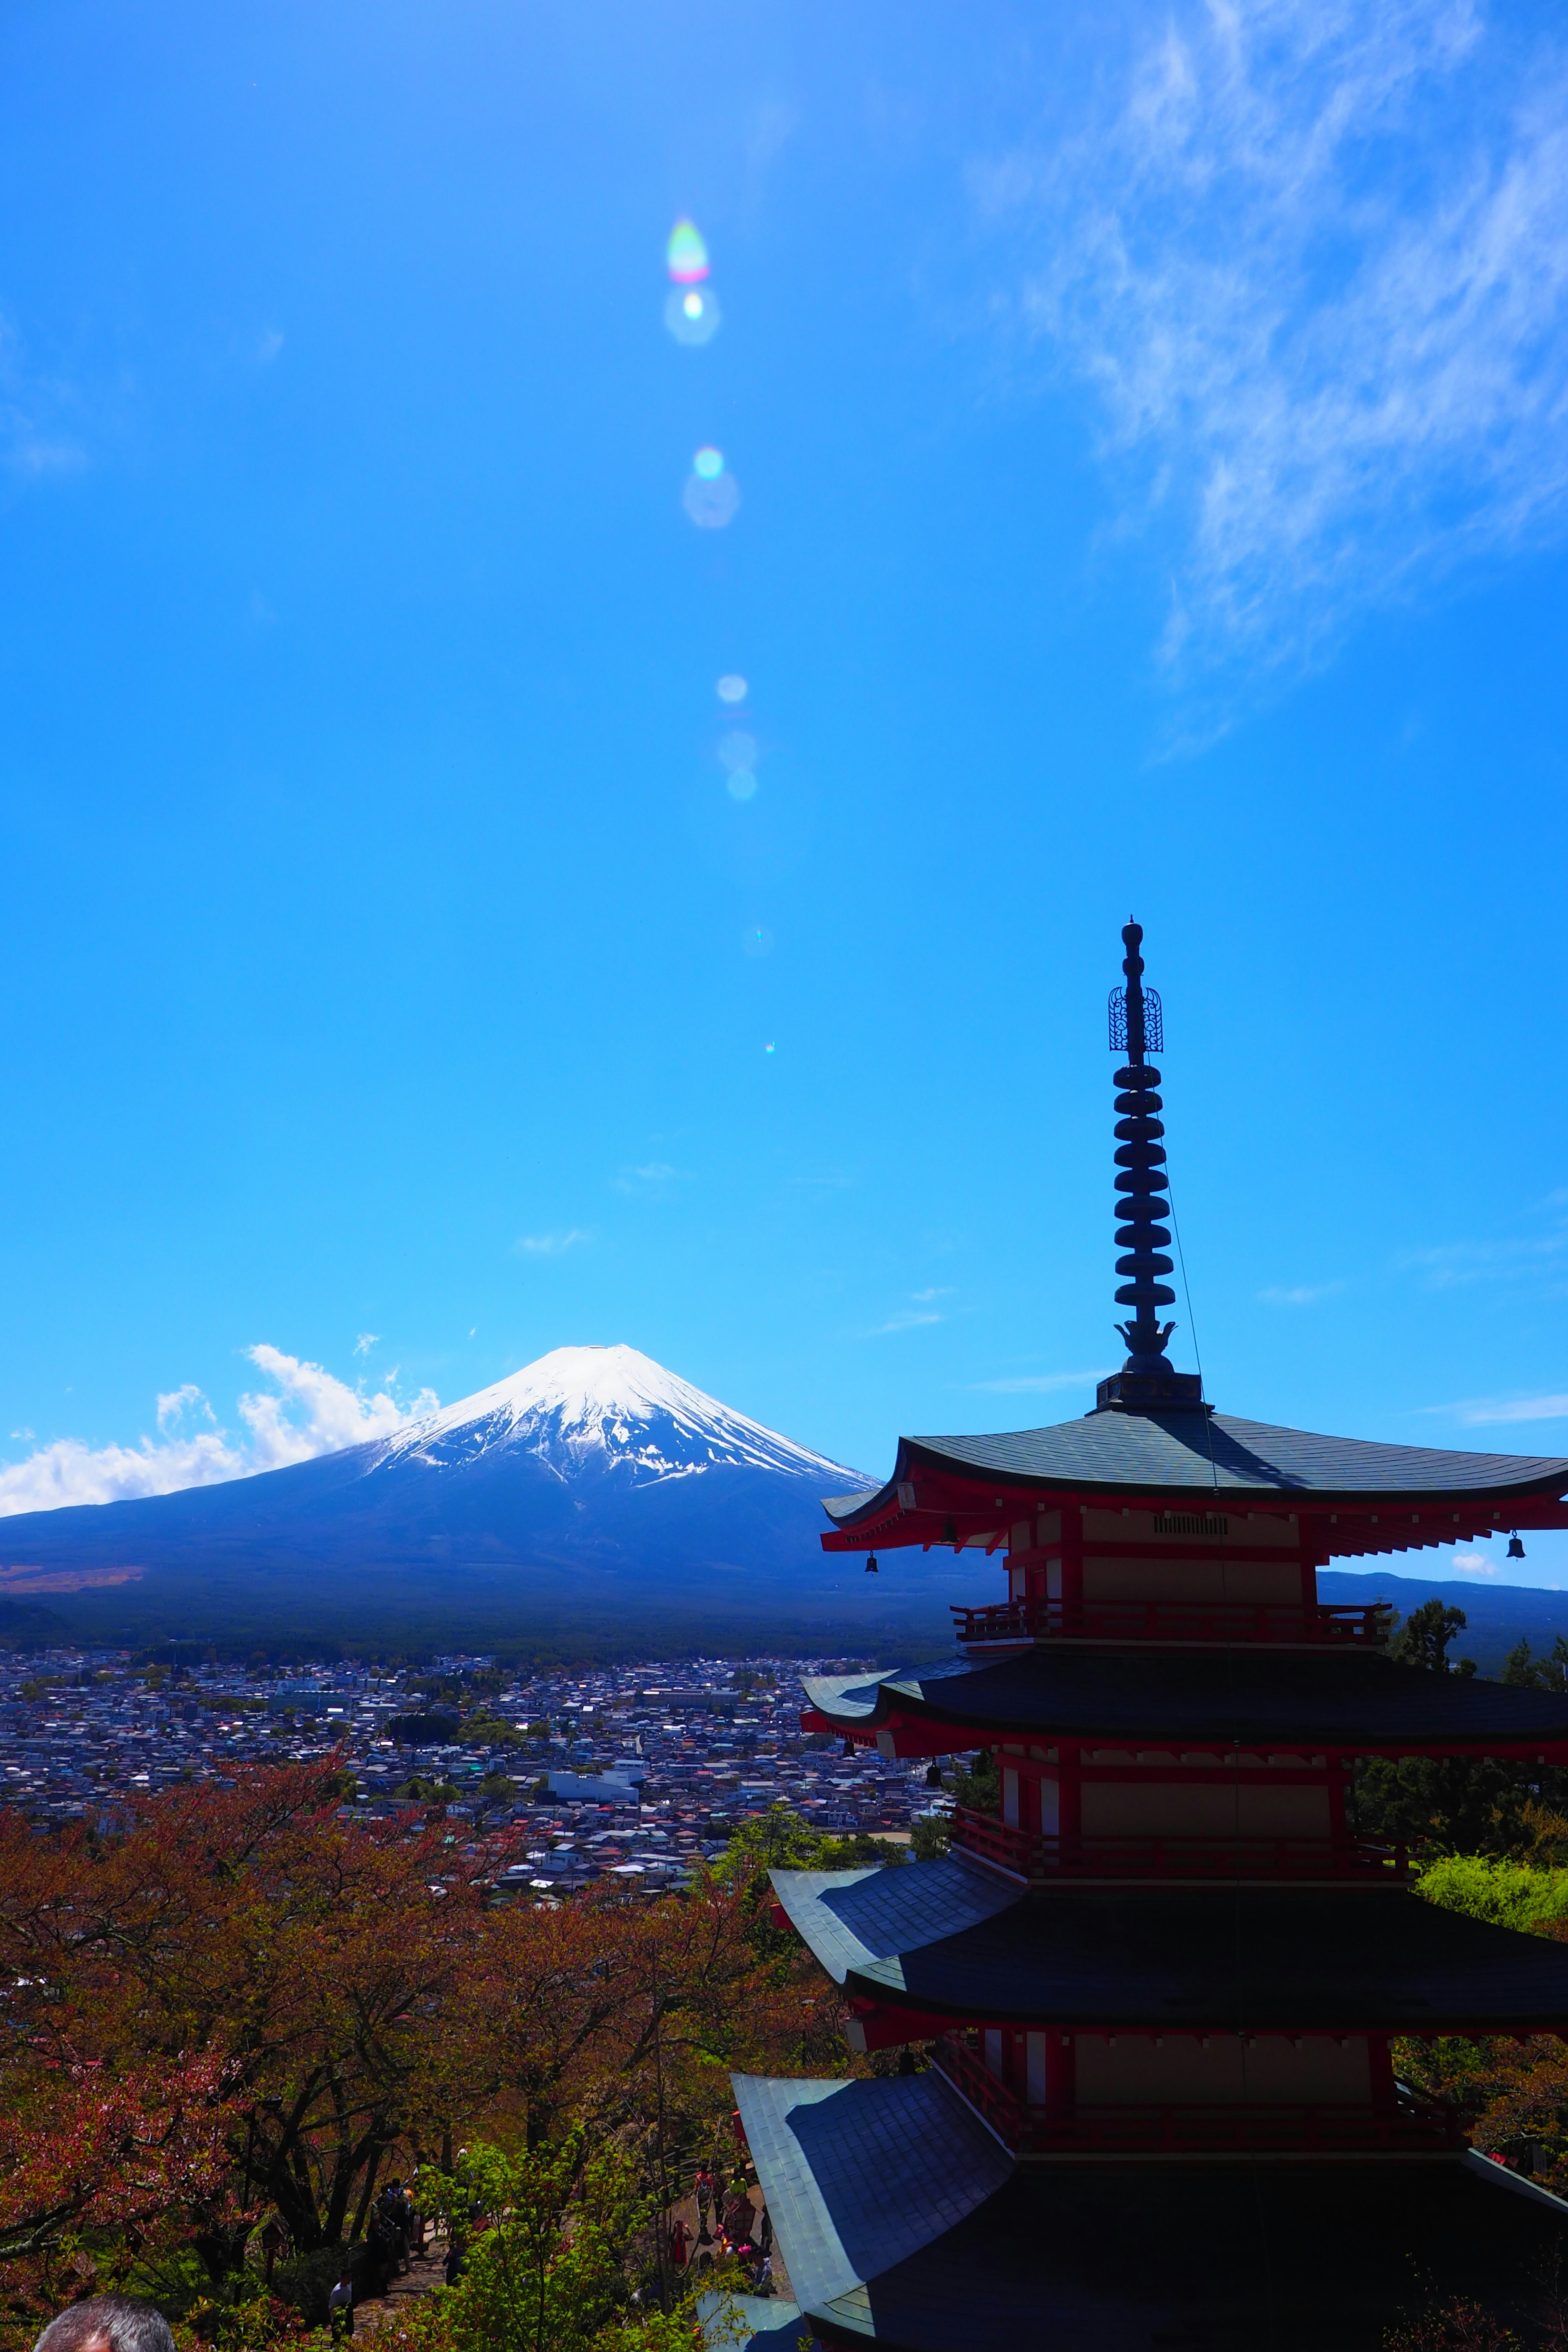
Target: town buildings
[{"x": 82, "y": 1731}]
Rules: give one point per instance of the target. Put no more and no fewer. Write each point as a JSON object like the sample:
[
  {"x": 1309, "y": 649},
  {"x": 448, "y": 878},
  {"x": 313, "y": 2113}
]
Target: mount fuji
[{"x": 593, "y": 1503}]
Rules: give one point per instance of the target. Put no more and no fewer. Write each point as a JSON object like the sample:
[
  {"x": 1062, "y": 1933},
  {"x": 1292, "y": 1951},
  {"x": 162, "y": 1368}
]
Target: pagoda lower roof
[
  {"x": 901, "y": 2220},
  {"x": 1145, "y": 1697},
  {"x": 1255, "y": 1959},
  {"x": 1197, "y": 1459}
]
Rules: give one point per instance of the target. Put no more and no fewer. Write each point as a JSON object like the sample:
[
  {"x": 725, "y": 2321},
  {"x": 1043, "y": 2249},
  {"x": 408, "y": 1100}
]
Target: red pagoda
[{"x": 1161, "y": 1987}]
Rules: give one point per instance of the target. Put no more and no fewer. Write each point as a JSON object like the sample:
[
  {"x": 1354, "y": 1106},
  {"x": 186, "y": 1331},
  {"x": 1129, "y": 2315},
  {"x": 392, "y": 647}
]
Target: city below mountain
[{"x": 592, "y": 1499}]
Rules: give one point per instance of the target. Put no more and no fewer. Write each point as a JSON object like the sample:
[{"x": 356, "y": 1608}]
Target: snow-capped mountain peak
[{"x": 579, "y": 1410}]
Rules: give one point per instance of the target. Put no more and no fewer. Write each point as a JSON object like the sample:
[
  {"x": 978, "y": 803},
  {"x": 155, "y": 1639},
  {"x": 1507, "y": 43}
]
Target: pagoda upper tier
[{"x": 1348, "y": 1495}]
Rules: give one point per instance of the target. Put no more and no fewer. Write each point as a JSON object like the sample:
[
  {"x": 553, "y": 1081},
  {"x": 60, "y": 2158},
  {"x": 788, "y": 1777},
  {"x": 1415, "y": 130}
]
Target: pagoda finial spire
[{"x": 1137, "y": 1030}]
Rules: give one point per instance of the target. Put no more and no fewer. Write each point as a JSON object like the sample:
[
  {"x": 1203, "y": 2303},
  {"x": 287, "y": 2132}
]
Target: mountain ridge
[{"x": 591, "y": 1495}]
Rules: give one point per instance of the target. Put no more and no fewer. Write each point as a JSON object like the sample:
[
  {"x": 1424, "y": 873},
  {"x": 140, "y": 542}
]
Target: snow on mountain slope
[{"x": 582, "y": 1410}]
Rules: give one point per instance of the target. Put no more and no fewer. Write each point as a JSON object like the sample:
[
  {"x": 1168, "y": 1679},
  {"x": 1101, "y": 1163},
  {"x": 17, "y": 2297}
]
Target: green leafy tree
[
  {"x": 1448, "y": 1804},
  {"x": 560, "y": 2256},
  {"x": 979, "y": 1787}
]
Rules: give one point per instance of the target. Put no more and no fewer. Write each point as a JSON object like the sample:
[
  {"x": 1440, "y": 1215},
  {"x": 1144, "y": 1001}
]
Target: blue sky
[{"x": 1150, "y": 433}]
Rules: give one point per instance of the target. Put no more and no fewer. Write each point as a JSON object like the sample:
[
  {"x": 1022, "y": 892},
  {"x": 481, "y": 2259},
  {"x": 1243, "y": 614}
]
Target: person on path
[
  {"x": 765, "y": 2234},
  {"x": 678, "y": 2242},
  {"x": 340, "y": 2308},
  {"x": 704, "y": 2199}
]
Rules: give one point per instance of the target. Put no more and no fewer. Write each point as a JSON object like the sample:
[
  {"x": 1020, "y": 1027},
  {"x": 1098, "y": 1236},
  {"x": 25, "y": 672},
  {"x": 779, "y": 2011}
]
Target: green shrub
[{"x": 1508, "y": 1894}]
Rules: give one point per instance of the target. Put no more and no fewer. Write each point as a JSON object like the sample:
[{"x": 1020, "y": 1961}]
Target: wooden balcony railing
[
  {"x": 1280, "y": 1621},
  {"x": 1412, "y": 2125},
  {"x": 1042, "y": 1860}
]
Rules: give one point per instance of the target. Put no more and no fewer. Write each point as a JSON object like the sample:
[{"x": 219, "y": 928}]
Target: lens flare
[
  {"x": 732, "y": 688},
  {"x": 769, "y": 1046},
  {"x": 709, "y": 463},
  {"x": 686, "y": 256},
  {"x": 757, "y": 941},
  {"x": 710, "y": 499},
  {"x": 738, "y": 750},
  {"x": 740, "y": 783},
  {"x": 692, "y": 315}
]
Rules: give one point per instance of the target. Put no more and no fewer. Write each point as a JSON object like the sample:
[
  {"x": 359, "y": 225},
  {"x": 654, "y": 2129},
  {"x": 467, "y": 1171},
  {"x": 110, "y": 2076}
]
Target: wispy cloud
[
  {"x": 922, "y": 1311},
  {"x": 1474, "y": 1563},
  {"x": 550, "y": 1244},
  {"x": 1037, "y": 1383},
  {"x": 306, "y": 1411},
  {"x": 366, "y": 1341},
  {"x": 1300, "y": 1294},
  {"x": 38, "y": 417},
  {"x": 174, "y": 1406},
  {"x": 1512, "y": 1259},
  {"x": 1482, "y": 1413},
  {"x": 653, "y": 1176},
  {"x": 1311, "y": 257}
]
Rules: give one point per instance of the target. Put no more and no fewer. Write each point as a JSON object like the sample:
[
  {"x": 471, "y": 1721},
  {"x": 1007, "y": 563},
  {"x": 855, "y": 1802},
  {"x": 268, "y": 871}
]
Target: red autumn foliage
[{"x": 243, "y": 2003}]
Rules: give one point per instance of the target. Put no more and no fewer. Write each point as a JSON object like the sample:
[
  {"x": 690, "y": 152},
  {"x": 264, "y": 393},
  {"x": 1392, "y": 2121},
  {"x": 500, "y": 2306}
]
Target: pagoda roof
[
  {"x": 901, "y": 2220},
  {"x": 1197, "y": 1457},
  {"x": 1262, "y": 1959},
  {"x": 1145, "y": 1696},
  {"x": 852, "y": 1917}
]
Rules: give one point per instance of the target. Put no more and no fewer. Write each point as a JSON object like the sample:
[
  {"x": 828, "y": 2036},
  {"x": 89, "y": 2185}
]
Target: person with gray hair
[{"x": 108, "y": 2323}]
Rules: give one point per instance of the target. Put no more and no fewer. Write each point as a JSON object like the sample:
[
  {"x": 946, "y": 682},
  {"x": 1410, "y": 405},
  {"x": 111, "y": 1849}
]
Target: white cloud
[
  {"x": 550, "y": 1244},
  {"x": 1311, "y": 257},
  {"x": 366, "y": 1341},
  {"x": 1474, "y": 1563},
  {"x": 36, "y": 438},
  {"x": 1302, "y": 1294},
  {"x": 1511, "y": 1260},
  {"x": 637, "y": 1179},
  {"x": 1480, "y": 1412},
  {"x": 174, "y": 1406},
  {"x": 912, "y": 1321},
  {"x": 307, "y": 1412}
]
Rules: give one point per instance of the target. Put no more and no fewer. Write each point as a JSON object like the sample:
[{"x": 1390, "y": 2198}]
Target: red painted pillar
[{"x": 1069, "y": 1806}]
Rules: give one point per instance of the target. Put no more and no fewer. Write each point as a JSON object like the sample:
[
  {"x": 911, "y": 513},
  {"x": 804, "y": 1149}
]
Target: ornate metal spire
[{"x": 1137, "y": 1029}]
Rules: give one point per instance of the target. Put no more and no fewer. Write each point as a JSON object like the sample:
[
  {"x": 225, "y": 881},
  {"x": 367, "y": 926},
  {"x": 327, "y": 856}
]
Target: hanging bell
[
  {"x": 1515, "y": 1547},
  {"x": 871, "y": 1567}
]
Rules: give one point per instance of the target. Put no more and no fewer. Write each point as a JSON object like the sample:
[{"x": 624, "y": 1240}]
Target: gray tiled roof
[
  {"x": 1120, "y": 2256},
  {"x": 1155, "y": 1698},
  {"x": 1260, "y": 1958},
  {"x": 1197, "y": 1452},
  {"x": 860, "y": 2175},
  {"x": 852, "y": 1917}
]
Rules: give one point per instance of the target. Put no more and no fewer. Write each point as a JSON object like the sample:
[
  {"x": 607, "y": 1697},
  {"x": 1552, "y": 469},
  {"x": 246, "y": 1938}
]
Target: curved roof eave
[{"x": 1151, "y": 1455}]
